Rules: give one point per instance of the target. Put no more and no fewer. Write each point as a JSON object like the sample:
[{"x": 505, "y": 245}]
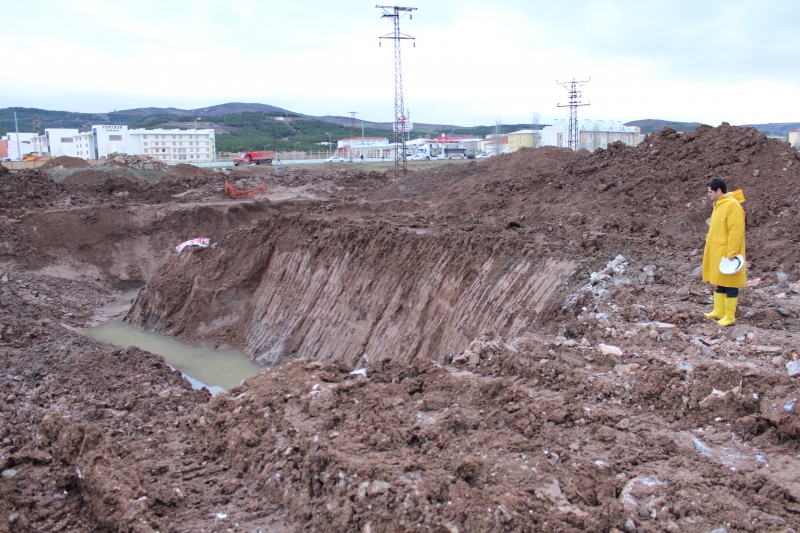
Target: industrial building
[{"x": 794, "y": 139}]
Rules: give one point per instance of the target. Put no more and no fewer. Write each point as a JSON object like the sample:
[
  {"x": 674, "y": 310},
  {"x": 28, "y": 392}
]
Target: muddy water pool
[{"x": 203, "y": 366}]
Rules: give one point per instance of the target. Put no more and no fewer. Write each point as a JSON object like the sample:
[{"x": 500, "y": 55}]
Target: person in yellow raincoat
[{"x": 725, "y": 239}]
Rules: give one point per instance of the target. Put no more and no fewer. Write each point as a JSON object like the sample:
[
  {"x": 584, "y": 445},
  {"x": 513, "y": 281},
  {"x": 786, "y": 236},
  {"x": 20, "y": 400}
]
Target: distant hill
[
  {"x": 236, "y": 108},
  {"x": 775, "y": 127},
  {"x": 651, "y": 125},
  {"x": 232, "y": 108}
]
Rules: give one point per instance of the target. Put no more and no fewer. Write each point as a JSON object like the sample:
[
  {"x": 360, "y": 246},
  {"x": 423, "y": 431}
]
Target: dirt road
[{"x": 514, "y": 344}]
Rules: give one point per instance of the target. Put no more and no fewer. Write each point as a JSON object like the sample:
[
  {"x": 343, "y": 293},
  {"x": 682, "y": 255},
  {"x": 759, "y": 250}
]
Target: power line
[
  {"x": 396, "y": 13},
  {"x": 574, "y": 104}
]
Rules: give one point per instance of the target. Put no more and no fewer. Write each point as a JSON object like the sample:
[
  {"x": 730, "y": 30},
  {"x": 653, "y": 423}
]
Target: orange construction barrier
[{"x": 233, "y": 192}]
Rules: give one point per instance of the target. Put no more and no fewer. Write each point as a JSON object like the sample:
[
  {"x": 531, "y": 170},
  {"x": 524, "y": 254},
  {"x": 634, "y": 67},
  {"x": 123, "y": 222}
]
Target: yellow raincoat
[{"x": 725, "y": 239}]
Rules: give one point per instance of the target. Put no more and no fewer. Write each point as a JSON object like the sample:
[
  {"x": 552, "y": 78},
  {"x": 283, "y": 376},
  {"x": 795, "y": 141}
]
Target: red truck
[{"x": 259, "y": 158}]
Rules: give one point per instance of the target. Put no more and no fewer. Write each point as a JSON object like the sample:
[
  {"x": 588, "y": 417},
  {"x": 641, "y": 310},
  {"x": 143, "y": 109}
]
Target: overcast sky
[{"x": 699, "y": 60}]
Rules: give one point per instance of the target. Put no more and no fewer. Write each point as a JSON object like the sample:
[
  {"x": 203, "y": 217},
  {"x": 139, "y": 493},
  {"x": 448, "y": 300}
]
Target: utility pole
[
  {"x": 574, "y": 104},
  {"x": 363, "y": 147},
  {"x": 19, "y": 150},
  {"x": 352, "y": 132},
  {"x": 396, "y": 13},
  {"x": 497, "y": 136}
]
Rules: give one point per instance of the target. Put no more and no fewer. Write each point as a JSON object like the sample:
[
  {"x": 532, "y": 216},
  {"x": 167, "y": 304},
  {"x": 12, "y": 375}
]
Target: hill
[
  {"x": 775, "y": 127},
  {"x": 651, "y": 125}
]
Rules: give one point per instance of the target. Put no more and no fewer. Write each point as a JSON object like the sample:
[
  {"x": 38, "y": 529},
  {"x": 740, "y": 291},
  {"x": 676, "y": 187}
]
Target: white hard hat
[{"x": 731, "y": 266}]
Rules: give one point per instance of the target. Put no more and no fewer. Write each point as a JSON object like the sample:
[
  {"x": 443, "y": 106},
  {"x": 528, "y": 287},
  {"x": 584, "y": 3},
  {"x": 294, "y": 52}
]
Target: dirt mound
[
  {"x": 652, "y": 197},
  {"x": 138, "y": 162},
  {"x": 4, "y": 171},
  {"x": 66, "y": 162},
  {"x": 29, "y": 188}
]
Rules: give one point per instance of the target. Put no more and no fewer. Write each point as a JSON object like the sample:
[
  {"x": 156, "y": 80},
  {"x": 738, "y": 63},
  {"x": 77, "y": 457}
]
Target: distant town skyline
[{"x": 708, "y": 61}]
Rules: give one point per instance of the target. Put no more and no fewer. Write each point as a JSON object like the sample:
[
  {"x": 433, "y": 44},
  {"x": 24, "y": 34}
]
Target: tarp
[
  {"x": 233, "y": 192},
  {"x": 202, "y": 242}
]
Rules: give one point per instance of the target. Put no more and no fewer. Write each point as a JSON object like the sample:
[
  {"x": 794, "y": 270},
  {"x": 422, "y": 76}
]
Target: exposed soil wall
[{"x": 290, "y": 288}]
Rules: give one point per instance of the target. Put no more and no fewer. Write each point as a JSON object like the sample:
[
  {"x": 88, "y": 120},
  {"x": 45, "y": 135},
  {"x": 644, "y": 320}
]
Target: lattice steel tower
[
  {"x": 396, "y": 13},
  {"x": 574, "y": 104},
  {"x": 37, "y": 145}
]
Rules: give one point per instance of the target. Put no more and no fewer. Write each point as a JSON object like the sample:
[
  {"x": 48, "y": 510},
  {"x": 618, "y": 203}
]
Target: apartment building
[
  {"x": 173, "y": 146},
  {"x": 524, "y": 139},
  {"x": 592, "y": 134}
]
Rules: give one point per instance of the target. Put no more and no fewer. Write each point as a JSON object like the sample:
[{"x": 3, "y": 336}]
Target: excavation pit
[{"x": 476, "y": 298}]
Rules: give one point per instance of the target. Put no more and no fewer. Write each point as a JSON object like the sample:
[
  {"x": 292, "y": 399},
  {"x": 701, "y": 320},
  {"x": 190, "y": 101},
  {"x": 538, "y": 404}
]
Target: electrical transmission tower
[
  {"x": 400, "y": 127},
  {"x": 37, "y": 146},
  {"x": 352, "y": 133},
  {"x": 574, "y": 104}
]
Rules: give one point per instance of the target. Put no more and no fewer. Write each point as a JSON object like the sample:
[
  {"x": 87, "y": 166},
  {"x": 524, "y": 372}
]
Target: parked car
[
  {"x": 417, "y": 157},
  {"x": 336, "y": 159},
  {"x": 483, "y": 156}
]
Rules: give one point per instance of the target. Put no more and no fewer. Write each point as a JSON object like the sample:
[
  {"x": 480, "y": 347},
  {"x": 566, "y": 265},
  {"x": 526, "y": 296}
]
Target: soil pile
[
  {"x": 4, "y": 171},
  {"x": 28, "y": 189},
  {"x": 66, "y": 162},
  {"x": 625, "y": 199}
]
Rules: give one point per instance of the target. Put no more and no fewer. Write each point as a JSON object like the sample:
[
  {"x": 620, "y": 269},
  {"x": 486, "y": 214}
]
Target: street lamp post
[
  {"x": 294, "y": 150},
  {"x": 329, "y": 143}
]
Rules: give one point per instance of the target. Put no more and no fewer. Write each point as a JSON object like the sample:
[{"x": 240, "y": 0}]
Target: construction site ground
[{"x": 513, "y": 344}]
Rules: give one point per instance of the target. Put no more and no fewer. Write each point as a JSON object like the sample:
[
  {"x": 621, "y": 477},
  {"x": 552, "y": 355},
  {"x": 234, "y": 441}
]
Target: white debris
[
  {"x": 359, "y": 372},
  {"x": 608, "y": 349}
]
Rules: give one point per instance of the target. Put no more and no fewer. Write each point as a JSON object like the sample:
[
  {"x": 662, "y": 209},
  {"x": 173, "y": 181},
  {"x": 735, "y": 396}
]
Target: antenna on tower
[
  {"x": 573, "y": 105},
  {"x": 400, "y": 121},
  {"x": 352, "y": 133}
]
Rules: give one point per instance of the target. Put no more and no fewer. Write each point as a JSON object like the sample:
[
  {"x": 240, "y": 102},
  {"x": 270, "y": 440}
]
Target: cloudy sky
[{"x": 474, "y": 61}]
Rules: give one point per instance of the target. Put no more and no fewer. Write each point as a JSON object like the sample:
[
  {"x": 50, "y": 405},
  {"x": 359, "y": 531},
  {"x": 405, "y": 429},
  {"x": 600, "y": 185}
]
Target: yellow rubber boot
[
  {"x": 730, "y": 311},
  {"x": 719, "y": 307}
]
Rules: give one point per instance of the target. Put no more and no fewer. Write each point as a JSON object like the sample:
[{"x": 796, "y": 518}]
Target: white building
[
  {"x": 794, "y": 138},
  {"x": 173, "y": 145},
  {"x": 169, "y": 146},
  {"x": 361, "y": 142},
  {"x": 555, "y": 135},
  {"x": 58, "y": 141},
  {"x": 592, "y": 135},
  {"x": 26, "y": 144},
  {"x": 107, "y": 139}
]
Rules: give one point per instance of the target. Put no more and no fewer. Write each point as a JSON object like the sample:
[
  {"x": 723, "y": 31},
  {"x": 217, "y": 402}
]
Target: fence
[{"x": 282, "y": 156}]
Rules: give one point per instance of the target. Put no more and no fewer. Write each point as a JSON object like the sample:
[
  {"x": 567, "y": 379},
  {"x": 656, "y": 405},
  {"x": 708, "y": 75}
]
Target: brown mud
[{"x": 508, "y": 345}]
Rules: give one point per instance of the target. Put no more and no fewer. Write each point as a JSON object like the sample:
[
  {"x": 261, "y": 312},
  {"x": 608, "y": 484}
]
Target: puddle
[
  {"x": 218, "y": 370},
  {"x": 120, "y": 306}
]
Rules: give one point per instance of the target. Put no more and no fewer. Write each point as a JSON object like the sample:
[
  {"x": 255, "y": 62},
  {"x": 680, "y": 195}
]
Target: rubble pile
[{"x": 138, "y": 162}]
